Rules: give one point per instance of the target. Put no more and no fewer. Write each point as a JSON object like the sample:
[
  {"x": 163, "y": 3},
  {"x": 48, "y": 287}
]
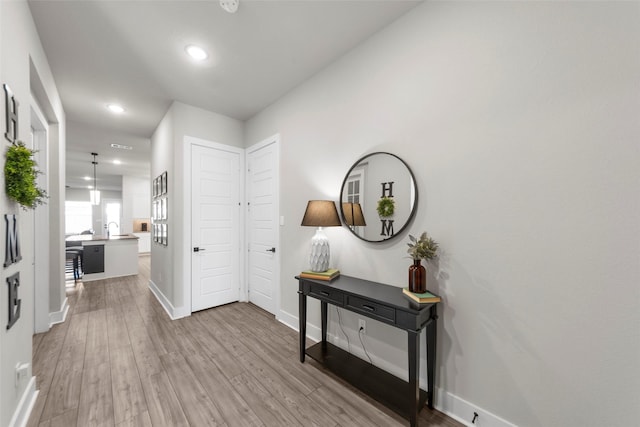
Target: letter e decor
[{"x": 14, "y": 302}]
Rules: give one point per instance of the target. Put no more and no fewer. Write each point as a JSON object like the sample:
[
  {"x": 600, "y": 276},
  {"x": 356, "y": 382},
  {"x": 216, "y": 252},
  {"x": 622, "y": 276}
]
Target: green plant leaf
[{"x": 20, "y": 171}]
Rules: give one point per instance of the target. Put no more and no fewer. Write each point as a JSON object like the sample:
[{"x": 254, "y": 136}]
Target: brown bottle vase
[{"x": 417, "y": 277}]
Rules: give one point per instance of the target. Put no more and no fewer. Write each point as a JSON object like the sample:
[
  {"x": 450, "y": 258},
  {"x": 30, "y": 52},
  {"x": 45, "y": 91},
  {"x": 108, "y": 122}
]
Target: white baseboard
[
  {"x": 59, "y": 316},
  {"x": 25, "y": 406},
  {"x": 464, "y": 412},
  {"x": 445, "y": 402},
  {"x": 173, "y": 312},
  {"x": 313, "y": 332}
]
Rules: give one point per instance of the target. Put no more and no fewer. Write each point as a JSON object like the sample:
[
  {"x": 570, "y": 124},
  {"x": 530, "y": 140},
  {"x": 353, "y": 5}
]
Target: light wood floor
[{"x": 118, "y": 360}]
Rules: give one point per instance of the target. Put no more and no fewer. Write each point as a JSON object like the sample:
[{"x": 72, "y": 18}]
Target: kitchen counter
[
  {"x": 108, "y": 256},
  {"x": 94, "y": 238}
]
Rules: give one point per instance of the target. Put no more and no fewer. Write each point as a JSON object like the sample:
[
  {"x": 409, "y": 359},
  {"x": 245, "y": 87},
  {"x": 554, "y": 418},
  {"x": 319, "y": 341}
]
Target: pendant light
[{"x": 94, "y": 195}]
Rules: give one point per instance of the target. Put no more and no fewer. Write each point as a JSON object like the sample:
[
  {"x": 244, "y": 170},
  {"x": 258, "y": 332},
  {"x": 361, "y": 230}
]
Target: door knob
[
  {"x": 272, "y": 250},
  {"x": 197, "y": 249}
]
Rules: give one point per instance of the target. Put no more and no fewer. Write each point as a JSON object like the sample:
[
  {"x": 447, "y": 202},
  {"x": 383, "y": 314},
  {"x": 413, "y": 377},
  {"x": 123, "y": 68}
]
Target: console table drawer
[
  {"x": 374, "y": 309},
  {"x": 324, "y": 294}
]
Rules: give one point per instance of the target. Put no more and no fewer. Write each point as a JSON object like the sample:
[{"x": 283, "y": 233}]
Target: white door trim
[
  {"x": 187, "y": 246},
  {"x": 274, "y": 139},
  {"x": 42, "y": 257}
]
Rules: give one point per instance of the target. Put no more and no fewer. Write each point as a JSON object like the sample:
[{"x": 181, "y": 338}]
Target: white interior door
[
  {"x": 262, "y": 217},
  {"x": 215, "y": 211}
]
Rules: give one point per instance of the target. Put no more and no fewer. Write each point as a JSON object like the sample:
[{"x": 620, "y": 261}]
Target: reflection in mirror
[{"x": 379, "y": 197}]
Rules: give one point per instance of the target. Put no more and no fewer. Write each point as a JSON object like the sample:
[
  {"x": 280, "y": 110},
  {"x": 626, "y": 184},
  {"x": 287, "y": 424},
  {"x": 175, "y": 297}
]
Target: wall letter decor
[
  {"x": 12, "y": 245},
  {"x": 387, "y": 189},
  {"x": 387, "y": 227},
  {"x": 11, "y": 108},
  {"x": 14, "y": 302}
]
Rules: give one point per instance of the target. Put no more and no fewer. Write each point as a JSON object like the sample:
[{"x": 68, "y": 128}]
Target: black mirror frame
[{"x": 413, "y": 210}]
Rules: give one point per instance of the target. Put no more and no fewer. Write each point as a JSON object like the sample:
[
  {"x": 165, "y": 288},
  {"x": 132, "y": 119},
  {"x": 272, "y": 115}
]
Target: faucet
[{"x": 109, "y": 225}]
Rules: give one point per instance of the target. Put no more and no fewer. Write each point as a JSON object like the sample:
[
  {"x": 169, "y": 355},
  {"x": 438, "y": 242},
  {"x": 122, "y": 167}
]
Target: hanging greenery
[
  {"x": 20, "y": 173},
  {"x": 386, "y": 207}
]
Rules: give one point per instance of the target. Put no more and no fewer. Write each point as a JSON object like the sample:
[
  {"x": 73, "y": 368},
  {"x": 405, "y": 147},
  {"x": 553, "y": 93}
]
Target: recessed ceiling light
[
  {"x": 196, "y": 52},
  {"x": 115, "y": 108},
  {"x": 116, "y": 162},
  {"x": 87, "y": 178},
  {"x": 230, "y": 6}
]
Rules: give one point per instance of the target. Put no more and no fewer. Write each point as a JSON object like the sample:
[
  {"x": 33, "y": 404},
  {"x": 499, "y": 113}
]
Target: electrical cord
[
  {"x": 343, "y": 332},
  {"x": 363, "y": 347}
]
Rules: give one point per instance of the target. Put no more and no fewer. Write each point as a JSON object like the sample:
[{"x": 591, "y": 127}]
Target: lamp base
[{"x": 320, "y": 253}]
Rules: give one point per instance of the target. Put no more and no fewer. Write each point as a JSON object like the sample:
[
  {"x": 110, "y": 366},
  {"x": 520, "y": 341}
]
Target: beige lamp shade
[
  {"x": 353, "y": 215},
  {"x": 321, "y": 213}
]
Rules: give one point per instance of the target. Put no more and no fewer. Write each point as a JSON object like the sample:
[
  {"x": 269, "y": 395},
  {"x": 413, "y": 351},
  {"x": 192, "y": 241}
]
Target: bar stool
[{"x": 73, "y": 263}]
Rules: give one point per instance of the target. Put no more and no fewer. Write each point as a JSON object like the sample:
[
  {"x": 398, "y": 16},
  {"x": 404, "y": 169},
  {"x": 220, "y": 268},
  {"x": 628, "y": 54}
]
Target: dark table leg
[
  {"x": 302, "y": 318},
  {"x": 431, "y": 355},
  {"x": 414, "y": 379},
  {"x": 323, "y": 316}
]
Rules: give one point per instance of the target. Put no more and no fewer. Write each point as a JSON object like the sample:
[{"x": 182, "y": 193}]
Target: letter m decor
[{"x": 12, "y": 245}]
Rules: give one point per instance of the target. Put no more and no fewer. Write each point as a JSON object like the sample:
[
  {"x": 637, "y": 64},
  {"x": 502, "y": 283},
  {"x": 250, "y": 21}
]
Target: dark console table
[{"x": 386, "y": 304}]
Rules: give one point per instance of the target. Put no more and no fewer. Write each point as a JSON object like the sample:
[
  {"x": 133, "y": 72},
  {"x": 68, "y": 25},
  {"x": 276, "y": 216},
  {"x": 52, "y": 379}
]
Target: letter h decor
[{"x": 11, "y": 108}]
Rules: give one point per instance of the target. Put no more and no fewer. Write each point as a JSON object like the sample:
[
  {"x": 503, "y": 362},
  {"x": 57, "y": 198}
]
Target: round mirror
[{"x": 379, "y": 197}]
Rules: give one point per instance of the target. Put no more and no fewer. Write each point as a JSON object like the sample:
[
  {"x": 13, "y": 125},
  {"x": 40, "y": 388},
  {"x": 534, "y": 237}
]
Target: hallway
[{"x": 119, "y": 361}]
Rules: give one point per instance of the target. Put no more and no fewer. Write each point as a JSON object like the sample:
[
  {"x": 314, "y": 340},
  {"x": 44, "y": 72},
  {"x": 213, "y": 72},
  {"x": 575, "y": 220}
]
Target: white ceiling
[{"x": 132, "y": 53}]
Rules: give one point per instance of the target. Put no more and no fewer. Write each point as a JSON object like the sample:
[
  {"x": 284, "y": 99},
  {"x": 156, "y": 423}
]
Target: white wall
[
  {"x": 171, "y": 265},
  {"x": 136, "y": 201},
  {"x": 23, "y": 66},
  {"x": 520, "y": 122}
]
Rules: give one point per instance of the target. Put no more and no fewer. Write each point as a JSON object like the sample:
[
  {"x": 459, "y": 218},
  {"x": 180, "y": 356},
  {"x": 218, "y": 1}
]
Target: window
[{"x": 78, "y": 217}]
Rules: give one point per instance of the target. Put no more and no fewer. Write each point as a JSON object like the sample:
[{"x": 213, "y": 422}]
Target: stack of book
[
  {"x": 423, "y": 298},
  {"x": 328, "y": 275}
]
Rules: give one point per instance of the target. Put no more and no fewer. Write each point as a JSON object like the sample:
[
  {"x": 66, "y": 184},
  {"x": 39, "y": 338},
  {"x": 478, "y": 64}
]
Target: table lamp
[
  {"x": 353, "y": 216},
  {"x": 320, "y": 213}
]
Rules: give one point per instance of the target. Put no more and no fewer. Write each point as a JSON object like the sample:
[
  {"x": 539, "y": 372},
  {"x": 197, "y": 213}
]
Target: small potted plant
[{"x": 421, "y": 248}]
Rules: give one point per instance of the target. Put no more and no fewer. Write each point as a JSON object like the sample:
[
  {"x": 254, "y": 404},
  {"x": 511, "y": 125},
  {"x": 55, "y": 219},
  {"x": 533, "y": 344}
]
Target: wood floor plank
[
  {"x": 95, "y": 408},
  {"x": 269, "y": 409},
  {"x": 46, "y": 358},
  {"x": 354, "y": 411},
  {"x": 139, "y": 420},
  {"x": 235, "y": 411},
  {"x": 146, "y": 356},
  {"x": 64, "y": 392},
  {"x": 128, "y": 396},
  {"x": 97, "y": 348},
  {"x": 66, "y": 419},
  {"x": 36, "y": 412},
  {"x": 162, "y": 401},
  {"x": 117, "y": 329},
  {"x": 283, "y": 389},
  {"x": 197, "y": 405}
]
